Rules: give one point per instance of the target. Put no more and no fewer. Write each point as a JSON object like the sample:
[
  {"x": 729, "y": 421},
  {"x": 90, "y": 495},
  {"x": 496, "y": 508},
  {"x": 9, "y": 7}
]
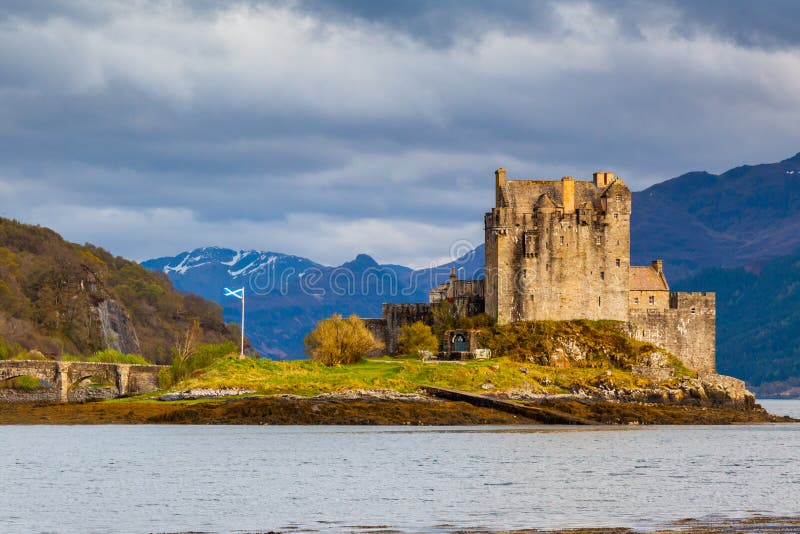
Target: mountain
[
  {"x": 286, "y": 295},
  {"x": 701, "y": 220},
  {"x": 758, "y": 321},
  {"x": 59, "y": 297}
]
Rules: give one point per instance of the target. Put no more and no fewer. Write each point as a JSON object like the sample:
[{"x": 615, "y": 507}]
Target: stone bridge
[{"x": 126, "y": 378}]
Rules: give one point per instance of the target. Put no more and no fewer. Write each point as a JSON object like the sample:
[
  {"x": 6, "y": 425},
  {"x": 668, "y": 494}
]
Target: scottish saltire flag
[{"x": 238, "y": 293}]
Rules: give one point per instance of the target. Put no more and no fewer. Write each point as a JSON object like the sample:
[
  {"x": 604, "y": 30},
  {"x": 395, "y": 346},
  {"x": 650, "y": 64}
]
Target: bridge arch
[{"x": 127, "y": 379}]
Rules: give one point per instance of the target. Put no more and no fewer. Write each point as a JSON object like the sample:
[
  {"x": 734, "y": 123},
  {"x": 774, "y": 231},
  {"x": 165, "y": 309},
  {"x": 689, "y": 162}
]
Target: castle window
[
  {"x": 651, "y": 299},
  {"x": 598, "y": 301},
  {"x": 597, "y": 241},
  {"x": 617, "y": 262},
  {"x": 694, "y": 310},
  {"x": 636, "y": 300},
  {"x": 562, "y": 239},
  {"x": 602, "y": 275},
  {"x": 618, "y": 198},
  {"x": 616, "y": 216}
]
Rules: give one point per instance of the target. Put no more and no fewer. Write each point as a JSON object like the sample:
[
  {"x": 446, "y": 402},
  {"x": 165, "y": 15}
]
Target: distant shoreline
[{"x": 338, "y": 410}]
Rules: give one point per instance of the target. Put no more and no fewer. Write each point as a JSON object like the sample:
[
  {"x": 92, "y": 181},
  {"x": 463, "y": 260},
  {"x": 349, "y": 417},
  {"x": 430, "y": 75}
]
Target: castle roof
[
  {"x": 545, "y": 202},
  {"x": 646, "y": 278},
  {"x": 523, "y": 194},
  {"x": 614, "y": 185}
]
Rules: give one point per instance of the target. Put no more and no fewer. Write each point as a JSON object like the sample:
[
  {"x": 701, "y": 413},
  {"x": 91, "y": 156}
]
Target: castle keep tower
[{"x": 558, "y": 250}]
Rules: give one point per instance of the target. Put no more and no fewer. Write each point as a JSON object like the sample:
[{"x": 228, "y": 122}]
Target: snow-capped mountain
[
  {"x": 286, "y": 295},
  {"x": 202, "y": 270}
]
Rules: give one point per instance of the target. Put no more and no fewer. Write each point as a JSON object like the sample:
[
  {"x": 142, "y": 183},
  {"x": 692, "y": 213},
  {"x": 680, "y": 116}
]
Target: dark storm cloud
[
  {"x": 760, "y": 24},
  {"x": 331, "y": 128}
]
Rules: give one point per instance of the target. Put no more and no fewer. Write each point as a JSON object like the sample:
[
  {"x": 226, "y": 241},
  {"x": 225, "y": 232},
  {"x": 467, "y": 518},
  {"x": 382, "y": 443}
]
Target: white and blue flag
[{"x": 238, "y": 293}]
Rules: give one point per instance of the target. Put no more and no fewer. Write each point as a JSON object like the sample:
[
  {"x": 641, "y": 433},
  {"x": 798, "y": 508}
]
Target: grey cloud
[
  {"x": 238, "y": 116},
  {"x": 767, "y": 23}
]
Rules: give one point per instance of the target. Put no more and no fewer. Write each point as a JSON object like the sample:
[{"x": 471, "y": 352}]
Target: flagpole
[{"x": 241, "y": 355}]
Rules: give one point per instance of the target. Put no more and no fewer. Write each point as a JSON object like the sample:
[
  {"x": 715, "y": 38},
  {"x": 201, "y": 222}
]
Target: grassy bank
[{"x": 308, "y": 378}]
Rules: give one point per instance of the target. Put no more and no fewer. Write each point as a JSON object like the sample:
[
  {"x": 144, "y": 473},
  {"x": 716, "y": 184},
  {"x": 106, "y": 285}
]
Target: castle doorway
[{"x": 460, "y": 343}]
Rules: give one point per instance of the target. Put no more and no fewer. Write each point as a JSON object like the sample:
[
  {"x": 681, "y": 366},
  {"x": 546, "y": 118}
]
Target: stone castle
[{"x": 560, "y": 250}]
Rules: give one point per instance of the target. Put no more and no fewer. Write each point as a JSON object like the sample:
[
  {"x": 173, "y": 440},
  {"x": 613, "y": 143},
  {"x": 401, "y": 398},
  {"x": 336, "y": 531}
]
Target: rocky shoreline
[
  {"x": 708, "y": 390},
  {"x": 387, "y": 407}
]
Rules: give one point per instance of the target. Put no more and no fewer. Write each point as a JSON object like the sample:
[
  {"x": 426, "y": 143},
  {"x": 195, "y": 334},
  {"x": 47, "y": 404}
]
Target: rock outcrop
[
  {"x": 117, "y": 327},
  {"x": 707, "y": 390}
]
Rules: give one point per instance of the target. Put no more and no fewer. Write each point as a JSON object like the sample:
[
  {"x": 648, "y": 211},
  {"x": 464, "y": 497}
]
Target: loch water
[{"x": 412, "y": 479}]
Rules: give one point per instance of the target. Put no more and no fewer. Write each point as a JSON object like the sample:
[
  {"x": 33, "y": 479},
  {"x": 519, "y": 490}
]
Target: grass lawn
[{"x": 308, "y": 378}]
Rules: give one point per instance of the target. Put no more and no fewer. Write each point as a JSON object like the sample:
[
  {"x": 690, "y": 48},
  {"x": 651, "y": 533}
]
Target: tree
[
  {"x": 185, "y": 348},
  {"x": 415, "y": 337},
  {"x": 337, "y": 340}
]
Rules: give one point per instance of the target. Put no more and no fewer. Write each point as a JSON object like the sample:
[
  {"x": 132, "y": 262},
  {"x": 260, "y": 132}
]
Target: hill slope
[
  {"x": 701, "y": 220},
  {"x": 63, "y": 298}
]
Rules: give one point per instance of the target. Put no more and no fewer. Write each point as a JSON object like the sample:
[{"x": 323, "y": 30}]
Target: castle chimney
[
  {"x": 451, "y": 288},
  {"x": 568, "y": 194},
  {"x": 658, "y": 265},
  {"x": 500, "y": 184},
  {"x": 603, "y": 179}
]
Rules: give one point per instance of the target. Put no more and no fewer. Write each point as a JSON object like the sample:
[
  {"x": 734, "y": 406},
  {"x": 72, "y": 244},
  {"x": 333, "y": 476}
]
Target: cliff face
[
  {"x": 117, "y": 327},
  {"x": 62, "y": 298}
]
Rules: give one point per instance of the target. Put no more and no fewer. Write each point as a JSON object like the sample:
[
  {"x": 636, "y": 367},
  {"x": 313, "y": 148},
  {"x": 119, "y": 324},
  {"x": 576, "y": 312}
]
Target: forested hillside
[
  {"x": 758, "y": 321},
  {"x": 62, "y": 298},
  {"x": 701, "y": 220}
]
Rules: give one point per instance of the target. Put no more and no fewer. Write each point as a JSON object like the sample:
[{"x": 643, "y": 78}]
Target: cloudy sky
[{"x": 325, "y": 129}]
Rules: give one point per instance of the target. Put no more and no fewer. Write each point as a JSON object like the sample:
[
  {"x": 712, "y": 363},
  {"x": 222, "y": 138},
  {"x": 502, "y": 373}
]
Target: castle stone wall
[
  {"x": 687, "y": 329},
  {"x": 396, "y": 315},
  {"x": 641, "y": 300},
  {"x": 377, "y": 327},
  {"x": 548, "y": 259}
]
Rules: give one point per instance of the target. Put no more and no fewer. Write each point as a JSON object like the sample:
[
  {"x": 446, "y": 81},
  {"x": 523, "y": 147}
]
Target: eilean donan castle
[{"x": 560, "y": 250}]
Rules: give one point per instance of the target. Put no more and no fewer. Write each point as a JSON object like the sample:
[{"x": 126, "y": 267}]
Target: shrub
[
  {"x": 337, "y": 340},
  {"x": 29, "y": 355},
  {"x": 198, "y": 358},
  {"x": 8, "y": 350},
  {"x": 25, "y": 383},
  {"x": 446, "y": 316},
  {"x": 107, "y": 356},
  {"x": 415, "y": 337}
]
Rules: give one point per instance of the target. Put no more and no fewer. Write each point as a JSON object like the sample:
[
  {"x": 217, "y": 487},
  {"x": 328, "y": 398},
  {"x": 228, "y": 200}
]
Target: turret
[
  {"x": 568, "y": 193},
  {"x": 658, "y": 265},
  {"x": 603, "y": 179},
  {"x": 544, "y": 204},
  {"x": 500, "y": 185}
]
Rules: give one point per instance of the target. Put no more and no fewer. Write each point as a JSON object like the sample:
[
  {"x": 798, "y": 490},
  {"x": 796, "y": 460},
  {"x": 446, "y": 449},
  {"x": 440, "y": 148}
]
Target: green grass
[
  {"x": 307, "y": 378},
  {"x": 24, "y": 383},
  {"x": 521, "y": 361}
]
